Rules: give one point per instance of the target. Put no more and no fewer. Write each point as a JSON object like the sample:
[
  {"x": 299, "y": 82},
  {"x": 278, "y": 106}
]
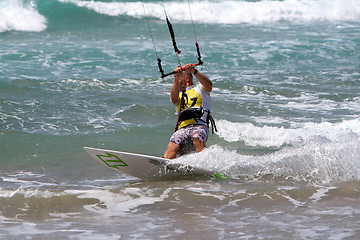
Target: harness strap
[
  {"x": 212, "y": 124},
  {"x": 183, "y": 101},
  {"x": 197, "y": 114}
]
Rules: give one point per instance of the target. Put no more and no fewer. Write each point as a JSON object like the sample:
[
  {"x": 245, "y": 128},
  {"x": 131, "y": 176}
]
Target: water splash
[
  {"x": 317, "y": 160},
  {"x": 19, "y": 16},
  {"x": 269, "y": 136}
]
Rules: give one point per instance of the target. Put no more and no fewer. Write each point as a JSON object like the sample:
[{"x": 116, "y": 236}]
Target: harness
[{"x": 199, "y": 114}]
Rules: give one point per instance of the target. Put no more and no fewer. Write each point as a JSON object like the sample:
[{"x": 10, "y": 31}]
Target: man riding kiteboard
[{"x": 193, "y": 109}]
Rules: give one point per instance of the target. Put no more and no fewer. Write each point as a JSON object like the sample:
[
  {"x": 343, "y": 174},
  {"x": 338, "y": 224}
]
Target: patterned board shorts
[{"x": 184, "y": 137}]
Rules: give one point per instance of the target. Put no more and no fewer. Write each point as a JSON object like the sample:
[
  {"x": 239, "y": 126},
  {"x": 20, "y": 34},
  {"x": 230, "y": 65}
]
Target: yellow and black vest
[{"x": 196, "y": 109}]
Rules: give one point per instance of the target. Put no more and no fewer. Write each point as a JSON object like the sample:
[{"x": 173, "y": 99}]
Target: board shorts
[{"x": 184, "y": 137}]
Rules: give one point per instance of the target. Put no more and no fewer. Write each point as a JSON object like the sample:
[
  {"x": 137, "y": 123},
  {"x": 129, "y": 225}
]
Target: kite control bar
[
  {"x": 177, "y": 51},
  {"x": 163, "y": 75}
]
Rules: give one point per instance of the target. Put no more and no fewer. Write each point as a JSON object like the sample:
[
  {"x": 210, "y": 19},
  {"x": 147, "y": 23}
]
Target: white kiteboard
[{"x": 144, "y": 166}]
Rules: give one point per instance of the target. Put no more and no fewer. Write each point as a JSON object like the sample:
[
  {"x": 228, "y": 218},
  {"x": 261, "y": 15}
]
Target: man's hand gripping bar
[{"x": 163, "y": 75}]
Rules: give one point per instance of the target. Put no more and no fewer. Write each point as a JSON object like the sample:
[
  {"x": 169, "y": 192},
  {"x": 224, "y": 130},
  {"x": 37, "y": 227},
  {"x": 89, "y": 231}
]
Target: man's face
[{"x": 188, "y": 81}]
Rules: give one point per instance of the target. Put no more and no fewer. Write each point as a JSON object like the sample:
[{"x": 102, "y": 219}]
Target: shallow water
[{"x": 84, "y": 73}]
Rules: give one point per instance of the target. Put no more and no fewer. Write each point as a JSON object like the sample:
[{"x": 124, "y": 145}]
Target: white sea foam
[
  {"x": 133, "y": 9},
  {"x": 269, "y": 136},
  {"x": 316, "y": 161},
  {"x": 319, "y": 152},
  {"x": 15, "y": 15},
  {"x": 28, "y": 193},
  {"x": 118, "y": 203},
  {"x": 321, "y": 193},
  {"x": 233, "y": 12}
]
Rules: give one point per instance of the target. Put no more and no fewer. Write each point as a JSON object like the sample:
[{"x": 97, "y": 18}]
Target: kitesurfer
[{"x": 193, "y": 109}]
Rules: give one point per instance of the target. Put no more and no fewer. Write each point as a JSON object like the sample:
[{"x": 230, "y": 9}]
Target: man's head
[{"x": 188, "y": 80}]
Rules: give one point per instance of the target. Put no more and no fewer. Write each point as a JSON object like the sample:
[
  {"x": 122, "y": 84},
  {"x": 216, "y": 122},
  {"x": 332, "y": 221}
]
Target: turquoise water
[{"x": 84, "y": 73}]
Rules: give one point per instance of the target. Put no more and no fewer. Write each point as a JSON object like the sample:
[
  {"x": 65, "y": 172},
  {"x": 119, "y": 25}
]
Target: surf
[
  {"x": 273, "y": 136},
  {"x": 38, "y": 16},
  {"x": 234, "y": 12},
  {"x": 17, "y": 15},
  {"x": 316, "y": 162},
  {"x": 316, "y": 153}
]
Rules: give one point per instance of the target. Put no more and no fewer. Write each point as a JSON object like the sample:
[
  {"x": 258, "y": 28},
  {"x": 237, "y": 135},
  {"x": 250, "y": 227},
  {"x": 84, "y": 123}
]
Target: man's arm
[
  {"x": 175, "y": 90},
  {"x": 205, "y": 81}
]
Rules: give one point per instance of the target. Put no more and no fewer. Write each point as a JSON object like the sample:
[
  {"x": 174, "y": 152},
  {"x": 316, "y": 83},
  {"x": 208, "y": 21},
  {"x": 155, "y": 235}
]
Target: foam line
[{"x": 235, "y": 12}]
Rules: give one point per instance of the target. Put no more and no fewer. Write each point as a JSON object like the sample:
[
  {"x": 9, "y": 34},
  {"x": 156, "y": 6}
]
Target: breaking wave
[
  {"x": 19, "y": 16},
  {"x": 36, "y": 16}
]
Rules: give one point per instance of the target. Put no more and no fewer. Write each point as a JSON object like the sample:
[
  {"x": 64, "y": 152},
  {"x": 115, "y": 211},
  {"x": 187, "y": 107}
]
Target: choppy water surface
[{"x": 83, "y": 73}]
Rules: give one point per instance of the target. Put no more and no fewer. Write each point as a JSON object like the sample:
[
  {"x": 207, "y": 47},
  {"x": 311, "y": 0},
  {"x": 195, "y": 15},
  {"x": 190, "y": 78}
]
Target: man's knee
[
  {"x": 173, "y": 146},
  {"x": 172, "y": 150}
]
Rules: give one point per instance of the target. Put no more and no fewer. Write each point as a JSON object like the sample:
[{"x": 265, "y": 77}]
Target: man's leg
[
  {"x": 172, "y": 150},
  {"x": 199, "y": 146},
  {"x": 200, "y": 136}
]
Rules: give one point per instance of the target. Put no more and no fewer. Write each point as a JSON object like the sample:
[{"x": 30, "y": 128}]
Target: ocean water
[{"x": 286, "y": 101}]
